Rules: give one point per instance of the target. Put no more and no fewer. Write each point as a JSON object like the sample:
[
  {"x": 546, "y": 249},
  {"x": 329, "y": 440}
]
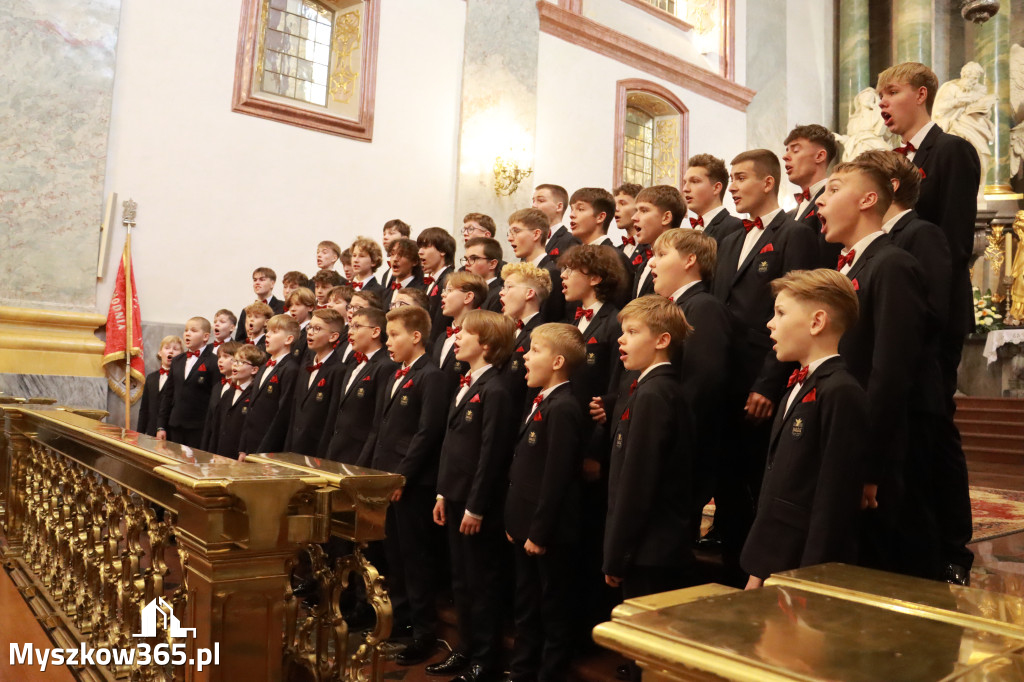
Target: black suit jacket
[
  {"x": 210, "y": 425},
  {"x": 543, "y": 499},
  {"x": 389, "y": 291},
  {"x": 882, "y": 350},
  {"x": 373, "y": 286},
  {"x": 640, "y": 288},
  {"x": 477, "y": 446},
  {"x": 722, "y": 225},
  {"x": 515, "y": 368},
  {"x": 276, "y": 304},
  {"x": 783, "y": 246},
  {"x": 229, "y": 421},
  {"x": 448, "y": 364},
  {"x": 493, "y": 300},
  {"x": 351, "y": 415},
  {"x": 438, "y": 320},
  {"x": 300, "y": 347},
  {"x": 266, "y": 402},
  {"x": 810, "y": 498},
  {"x": 150, "y": 407},
  {"x": 949, "y": 198},
  {"x": 649, "y": 477},
  {"x": 553, "y": 309},
  {"x": 591, "y": 379},
  {"x": 303, "y": 425},
  {"x": 184, "y": 401},
  {"x": 410, "y": 424},
  {"x": 560, "y": 241}
]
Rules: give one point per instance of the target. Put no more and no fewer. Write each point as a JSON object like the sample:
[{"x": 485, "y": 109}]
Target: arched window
[{"x": 650, "y": 134}]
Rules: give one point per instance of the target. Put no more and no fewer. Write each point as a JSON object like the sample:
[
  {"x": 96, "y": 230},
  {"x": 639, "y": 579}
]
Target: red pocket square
[
  {"x": 475, "y": 399},
  {"x": 592, "y": 341},
  {"x": 274, "y": 380},
  {"x": 811, "y": 396},
  {"x": 537, "y": 417},
  {"x": 810, "y": 214},
  {"x": 638, "y": 259},
  {"x": 321, "y": 383},
  {"x": 202, "y": 367},
  {"x": 520, "y": 350},
  {"x": 625, "y": 416},
  {"x": 921, "y": 171},
  {"x": 554, "y": 252},
  {"x": 768, "y": 248},
  {"x": 367, "y": 379},
  {"x": 407, "y": 384},
  {"x": 856, "y": 284}
]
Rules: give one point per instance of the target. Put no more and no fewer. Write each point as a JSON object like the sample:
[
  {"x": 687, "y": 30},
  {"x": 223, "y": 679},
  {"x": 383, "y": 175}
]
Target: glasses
[
  {"x": 515, "y": 231},
  {"x": 507, "y": 287},
  {"x": 236, "y": 361},
  {"x": 353, "y": 308},
  {"x": 315, "y": 329},
  {"x": 398, "y": 304},
  {"x": 472, "y": 260},
  {"x": 364, "y": 326},
  {"x": 474, "y": 230}
]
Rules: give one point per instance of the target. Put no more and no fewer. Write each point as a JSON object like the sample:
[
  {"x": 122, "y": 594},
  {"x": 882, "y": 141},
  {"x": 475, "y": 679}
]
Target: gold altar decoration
[
  {"x": 1015, "y": 306},
  {"x": 51, "y": 342},
  {"x": 995, "y": 256},
  {"x": 666, "y": 151},
  {"x": 347, "y": 38},
  {"x": 98, "y": 521}
]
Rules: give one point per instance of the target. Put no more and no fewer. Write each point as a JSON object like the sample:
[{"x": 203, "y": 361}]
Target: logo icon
[{"x": 160, "y": 609}]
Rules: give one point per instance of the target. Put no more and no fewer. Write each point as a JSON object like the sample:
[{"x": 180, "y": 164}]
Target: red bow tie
[
  {"x": 271, "y": 363},
  {"x": 519, "y": 324},
  {"x": 320, "y": 306},
  {"x": 360, "y": 357},
  {"x": 396, "y": 285},
  {"x": 399, "y": 373},
  {"x": 191, "y": 354},
  {"x": 803, "y": 196},
  {"x": 694, "y": 222},
  {"x": 164, "y": 371},
  {"x": 250, "y": 342},
  {"x": 539, "y": 399},
  {"x": 450, "y": 331},
  {"x": 905, "y": 149},
  {"x": 750, "y": 224},
  {"x": 584, "y": 312},
  {"x": 224, "y": 381},
  {"x": 628, "y": 240},
  {"x": 428, "y": 281},
  {"x": 632, "y": 386},
  {"x": 465, "y": 380},
  {"x": 236, "y": 387},
  {"x": 357, "y": 285},
  {"x": 798, "y": 376},
  {"x": 216, "y": 343},
  {"x": 845, "y": 258},
  {"x": 313, "y": 368}
]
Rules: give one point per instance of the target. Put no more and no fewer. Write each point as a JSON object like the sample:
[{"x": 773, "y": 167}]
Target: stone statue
[
  {"x": 865, "y": 129},
  {"x": 1017, "y": 107},
  {"x": 1015, "y": 313},
  {"x": 963, "y": 107}
]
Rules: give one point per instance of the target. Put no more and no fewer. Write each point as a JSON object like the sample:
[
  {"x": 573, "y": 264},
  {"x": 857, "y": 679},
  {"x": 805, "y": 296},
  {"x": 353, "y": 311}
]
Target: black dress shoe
[
  {"x": 476, "y": 673},
  {"x": 453, "y": 665},
  {"x": 417, "y": 652},
  {"x": 954, "y": 574}
]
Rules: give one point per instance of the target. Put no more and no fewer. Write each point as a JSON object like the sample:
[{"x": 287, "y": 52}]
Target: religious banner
[{"x": 118, "y": 331}]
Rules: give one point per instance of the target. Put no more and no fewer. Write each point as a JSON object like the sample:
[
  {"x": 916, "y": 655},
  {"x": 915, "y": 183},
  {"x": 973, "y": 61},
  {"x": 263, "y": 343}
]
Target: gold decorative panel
[
  {"x": 666, "y": 151},
  {"x": 347, "y": 38},
  {"x": 50, "y": 342}
]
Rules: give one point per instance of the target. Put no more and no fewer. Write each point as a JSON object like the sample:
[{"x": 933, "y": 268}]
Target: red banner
[{"x": 117, "y": 325}]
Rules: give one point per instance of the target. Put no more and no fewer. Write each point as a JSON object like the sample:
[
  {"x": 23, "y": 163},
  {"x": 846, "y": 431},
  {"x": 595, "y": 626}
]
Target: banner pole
[{"x": 128, "y": 218}]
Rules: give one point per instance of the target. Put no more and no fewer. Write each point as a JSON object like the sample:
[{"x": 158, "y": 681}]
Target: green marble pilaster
[
  {"x": 913, "y": 31},
  {"x": 992, "y": 51},
  {"x": 854, "y": 55}
]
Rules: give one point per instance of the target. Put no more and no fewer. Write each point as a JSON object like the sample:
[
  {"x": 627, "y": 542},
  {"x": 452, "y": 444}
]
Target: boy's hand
[
  {"x": 754, "y": 583},
  {"x": 509, "y": 538},
  {"x": 470, "y": 526},
  {"x": 758, "y": 408},
  {"x": 869, "y": 499},
  {"x": 532, "y": 549},
  {"x": 161, "y": 434},
  {"x": 241, "y": 456},
  {"x": 439, "y": 518},
  {"x": 397, "y": 495},
  {"x": 597, "y": 412},
  {"x": 591, "y": 469},
  {"x": 612, "y": 581}
]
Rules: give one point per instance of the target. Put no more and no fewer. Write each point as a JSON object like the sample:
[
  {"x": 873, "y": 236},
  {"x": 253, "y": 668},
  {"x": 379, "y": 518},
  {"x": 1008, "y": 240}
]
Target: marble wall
[
  {"x": 71, "y": 391},
  {"x": 58, "y": 58},
  {"x": 766, "y": 73}
]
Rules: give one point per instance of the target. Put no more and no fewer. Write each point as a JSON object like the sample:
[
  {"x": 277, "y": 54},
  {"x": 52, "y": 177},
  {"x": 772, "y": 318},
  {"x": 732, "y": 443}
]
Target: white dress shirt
[
  {"x": 810, "y": 370},
  {"x": 754, "y": 234},
  {"x": 858, "y": 250}
]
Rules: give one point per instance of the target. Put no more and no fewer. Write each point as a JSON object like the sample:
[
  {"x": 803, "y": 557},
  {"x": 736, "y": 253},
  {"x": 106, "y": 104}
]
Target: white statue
[
  {"x": 963, "y": 107},
  {"x": 866, "y": 129},
  {"x": 1017, "y": 107}
]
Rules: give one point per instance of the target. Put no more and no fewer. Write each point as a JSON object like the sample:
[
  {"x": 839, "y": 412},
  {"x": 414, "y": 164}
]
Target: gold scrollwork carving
[
  {"x": 348, "y": 29},
  {"x": 702, "y": 14},
  {"x": 666, "y": 150}
]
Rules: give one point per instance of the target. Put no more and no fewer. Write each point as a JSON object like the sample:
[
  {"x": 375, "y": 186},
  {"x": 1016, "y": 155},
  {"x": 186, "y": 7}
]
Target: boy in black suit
[
  {"x": 590, "y": 213},
  {"x": 463, "y": 293},
  {"x": 292, "y": 280},
  {"x": 405, "y": 272},
  {"x": 300, "y": 306},
  {"x": 770, "y": 245},
  {"x": 225, "y": 365},
  {"x": 224, "y": 322},
  {"x": 410, "y": 420},
  {"x": 392, "y": 231},
  {"x": 522, "y": 296},
  {"x": 527, "y": 232},
  {"x": 323, "y": 281},
  {"x": 542, "y": 508},
  {"x": 483, "y": 258},
  {"x": 273, "y": 386},
  {"x": 263, "y": 281},
  {"x": 170, "y": 348},
  {"x": 625, "y": 207},
  {"x": 229, "y": 419},
  {"x": 470, "y": 492},
  {"x": 187, "y": 392},
  {"x": 437, "y": 256},
  {"x": 893, "y": 318},
  {"x": 256, "y": 315},
  {"x": 658, "y": 208},
  {"x": 552, "y": 200},
  {"x": 354, "y": 400},
  {"x": 647, "y": 538},
  {"x": 683, "y": 264},
  {"x": 703, "y": 190},
  {"x": 810, "y": 150},
  {"x": 366, "y": 257},
  {"x": 302, "y": 422},
  {"x": 810, "y": 499}
]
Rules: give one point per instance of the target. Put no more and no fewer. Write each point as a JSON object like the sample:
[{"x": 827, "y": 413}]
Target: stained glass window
[
  {"x": 297, "y": 50},
  {"x": 638, "y": 147}
]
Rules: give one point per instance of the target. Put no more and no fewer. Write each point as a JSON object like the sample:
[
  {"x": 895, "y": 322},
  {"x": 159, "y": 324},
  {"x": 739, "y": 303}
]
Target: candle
[{"x": 1009, "y": 254}]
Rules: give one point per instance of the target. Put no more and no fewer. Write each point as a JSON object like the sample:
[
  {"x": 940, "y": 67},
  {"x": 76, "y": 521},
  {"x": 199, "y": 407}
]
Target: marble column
[
  {"x": 767, "y": 123},
  {"x": 992, "y": 51},
  {"x": 499, "y": 106},
  {"x": 913, "y": 31},
  {"x": 854, "y": 55}
]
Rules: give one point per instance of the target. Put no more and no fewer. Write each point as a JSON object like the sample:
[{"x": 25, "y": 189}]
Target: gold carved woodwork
[
  {"x": 51, "y": 342},
  {"x": 1015, "y": 308},
  {"x": 666, "y": 151},
  {"x": 347, "y": 38}
]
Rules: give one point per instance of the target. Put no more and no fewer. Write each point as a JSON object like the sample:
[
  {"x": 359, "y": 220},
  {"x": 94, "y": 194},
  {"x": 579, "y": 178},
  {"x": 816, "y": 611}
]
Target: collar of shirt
[
  {"x": 817, "y": 363},
  {"x": 405, "y": 282},
  {"x": 817, "y": 187},
  {"x": 710, "y": 215},
  {"x": 281, "y": 356},
  {"x": 860, "y": 246},
  {"x": 648, "y": 370},
  {"x": 583, "y": 322},
  {"x": 526, "y": 320},
  {"x": 371, "y": 354},
  {"x": 324, "y": 358},
  {"x": 767, "y": 218},
  {"x": 536, "y": 261},
  {"x": 916, "y": 140},
  {"x": 600, "y": 240},
  {"x": 547, "y": 391},
  {"x": 891, "y": 222},
  {"x": 436, "y": 276},
  {"x": 302, "y": 325},
  {"x": 683, "y": 289},
  {"x": 491, "y": 280},
  {"x": 551, "y": 234},
  {"x": 476, "y": 374},
  {"x": 257, "y": 339},
  {"x": 242, "y": 387}
]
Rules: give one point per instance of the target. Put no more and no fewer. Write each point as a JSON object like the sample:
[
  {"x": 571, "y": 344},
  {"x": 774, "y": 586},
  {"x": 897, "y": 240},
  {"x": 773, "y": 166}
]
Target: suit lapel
[
  {"x": 767, "y": 235},
  {"x": 862, "y": 262},
  {"x": 811, "y": 205},
  {"x": 826, "y": 368},
  {"x": 926, "y": 146},
  {"x": 457, "y": 409},
  {"x": 595, "y": 322}
]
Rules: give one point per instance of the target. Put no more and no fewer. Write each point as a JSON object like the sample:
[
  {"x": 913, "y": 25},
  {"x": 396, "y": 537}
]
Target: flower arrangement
[{"x": 986, "y": 312}]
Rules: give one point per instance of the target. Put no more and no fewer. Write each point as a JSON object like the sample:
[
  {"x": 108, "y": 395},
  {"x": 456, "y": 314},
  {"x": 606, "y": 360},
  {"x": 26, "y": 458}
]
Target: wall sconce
[{"x": 507, "y": 176}]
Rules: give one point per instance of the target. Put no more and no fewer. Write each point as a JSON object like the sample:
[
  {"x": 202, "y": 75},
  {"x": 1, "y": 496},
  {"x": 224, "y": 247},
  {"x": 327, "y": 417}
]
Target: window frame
[
  {"x": 631, "y": 85},
  {"x": 246, "y": 101}
]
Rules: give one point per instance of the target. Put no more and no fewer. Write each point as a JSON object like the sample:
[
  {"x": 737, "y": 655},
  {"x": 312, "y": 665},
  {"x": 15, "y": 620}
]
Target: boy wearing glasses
[
  {"x": 273, "y": 385},
  {"x": 483, "y": 258},
  {"x": 229, "y": 417}
]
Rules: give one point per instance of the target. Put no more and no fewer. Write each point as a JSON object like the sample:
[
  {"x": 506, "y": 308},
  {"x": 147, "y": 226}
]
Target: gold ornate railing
[{"x": 98, "y": 522}]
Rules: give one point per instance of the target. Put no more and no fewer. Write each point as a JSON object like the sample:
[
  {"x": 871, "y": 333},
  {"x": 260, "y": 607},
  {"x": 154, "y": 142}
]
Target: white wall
[
  {"x": 810, "y": 64},
  {"x": 576, "y": 145},
  {"x": 220, "y": 193}
]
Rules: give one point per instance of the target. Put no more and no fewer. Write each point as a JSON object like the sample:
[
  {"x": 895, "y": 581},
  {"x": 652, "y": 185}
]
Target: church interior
[{"x": 153, "y": 157}]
